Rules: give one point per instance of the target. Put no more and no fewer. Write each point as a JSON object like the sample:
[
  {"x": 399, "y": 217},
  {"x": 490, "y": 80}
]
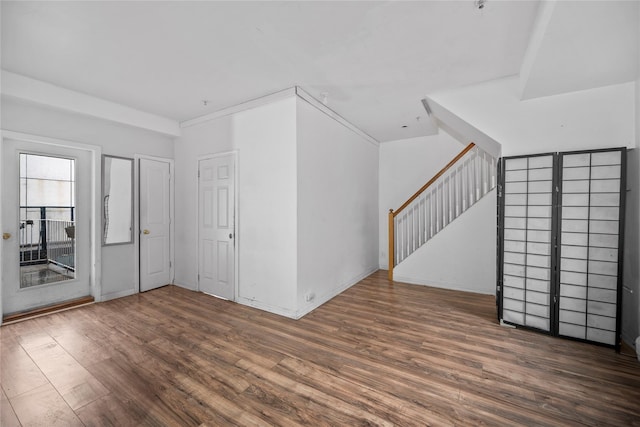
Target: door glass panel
[{"x": 47, "y": 220}]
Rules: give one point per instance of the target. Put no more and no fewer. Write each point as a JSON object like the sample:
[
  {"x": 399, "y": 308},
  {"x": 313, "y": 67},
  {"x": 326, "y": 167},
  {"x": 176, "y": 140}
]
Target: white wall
[
  {"x": 405, "y": 166},
  {"x": 266, "y": 141},
  {"x": 337, "y": 207},
  {"x": 462, "y": 256},
  {"x": 589, "y": 119},
  {"x": 118, "y": 262}
]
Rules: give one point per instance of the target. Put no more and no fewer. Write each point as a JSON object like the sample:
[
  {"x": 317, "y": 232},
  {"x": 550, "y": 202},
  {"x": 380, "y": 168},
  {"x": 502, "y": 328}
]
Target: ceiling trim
[
  {"x": 276, "y": 96},
  {"x": 302, "y": 94},
  {"x": 39, "y": 92},
  {"x": 257, "y": 102}
]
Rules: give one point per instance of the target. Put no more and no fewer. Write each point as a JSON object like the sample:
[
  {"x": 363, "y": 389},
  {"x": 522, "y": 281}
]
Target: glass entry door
[{"x": 46, "y": 205}]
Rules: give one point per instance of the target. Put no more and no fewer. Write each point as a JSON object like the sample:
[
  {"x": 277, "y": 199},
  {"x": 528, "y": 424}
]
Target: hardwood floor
[{"x": 378, "y": 354}]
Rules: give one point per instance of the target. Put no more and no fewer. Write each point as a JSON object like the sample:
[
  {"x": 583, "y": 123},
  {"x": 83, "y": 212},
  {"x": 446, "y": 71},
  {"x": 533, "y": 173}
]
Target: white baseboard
[
  {"x": 267, "y": 307},
  {"x": 120, "y": 294},
  {"x": 434, "y": 284},
  {"x": 191, "y": 287},
  {"x": 297, "y": 314}
]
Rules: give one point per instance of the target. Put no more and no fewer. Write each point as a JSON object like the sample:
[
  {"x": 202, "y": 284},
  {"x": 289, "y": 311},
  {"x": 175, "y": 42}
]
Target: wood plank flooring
[{"x": 381, "y": 353}]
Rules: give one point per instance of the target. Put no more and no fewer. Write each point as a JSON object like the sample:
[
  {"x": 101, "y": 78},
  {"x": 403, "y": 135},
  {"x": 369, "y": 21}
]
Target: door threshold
[{"x": 47, "y": 309}]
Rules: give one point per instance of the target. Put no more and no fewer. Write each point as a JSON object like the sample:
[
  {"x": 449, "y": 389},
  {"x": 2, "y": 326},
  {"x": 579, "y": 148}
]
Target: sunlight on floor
[{"x": 34, "y": 275}]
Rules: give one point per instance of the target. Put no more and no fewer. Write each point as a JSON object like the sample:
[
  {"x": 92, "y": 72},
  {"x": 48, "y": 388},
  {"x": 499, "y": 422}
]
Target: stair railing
[{"x": 456, "y": 187}]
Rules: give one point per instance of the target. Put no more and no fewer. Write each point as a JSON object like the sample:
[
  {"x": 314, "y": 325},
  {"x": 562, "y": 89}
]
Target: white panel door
[
  {"x": 155, "y": 224},
  {"x": 26, "y": 284},
  {"x": 216, "y": 226}
]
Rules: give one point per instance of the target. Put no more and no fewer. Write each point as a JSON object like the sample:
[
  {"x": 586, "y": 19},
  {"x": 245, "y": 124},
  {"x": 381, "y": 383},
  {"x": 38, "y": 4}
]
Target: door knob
[
  {"x": 145, "y": 231},
  {"x": 231, "y": 235},
  {"x": 6, "y": 236}
]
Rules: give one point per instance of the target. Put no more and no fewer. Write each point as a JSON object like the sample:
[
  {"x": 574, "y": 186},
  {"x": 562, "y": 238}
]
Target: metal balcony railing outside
[{"x": 47, "y": 235}]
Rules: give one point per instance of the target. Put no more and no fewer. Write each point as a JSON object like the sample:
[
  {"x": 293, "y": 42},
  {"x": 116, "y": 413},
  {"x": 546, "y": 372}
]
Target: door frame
[
  {"x": 95, "y": 151},
  {"x": 236, "y": 216},
  {"x": 136, "y": 215}
]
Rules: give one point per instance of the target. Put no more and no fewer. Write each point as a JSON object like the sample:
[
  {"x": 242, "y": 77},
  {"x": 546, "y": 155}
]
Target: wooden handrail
[
  {"x": 392, "y": 213},
  {"x": 432, "y": 180}
]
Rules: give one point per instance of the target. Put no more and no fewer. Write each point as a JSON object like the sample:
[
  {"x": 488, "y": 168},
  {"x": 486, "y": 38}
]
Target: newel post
[{"x": 391, "y": 244}]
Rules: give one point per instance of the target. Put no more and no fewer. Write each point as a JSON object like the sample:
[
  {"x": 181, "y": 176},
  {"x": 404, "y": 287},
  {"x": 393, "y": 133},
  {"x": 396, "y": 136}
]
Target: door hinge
[
  {"x": 198, "y": 277},
  {"x": 198, "y": 173},
  {"x": 169, "y": 264}
]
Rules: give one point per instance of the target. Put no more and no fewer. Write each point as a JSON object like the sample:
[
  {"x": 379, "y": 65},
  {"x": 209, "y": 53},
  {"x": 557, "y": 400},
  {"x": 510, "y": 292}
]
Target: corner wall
[
  {"x": 264, "y": 138},
  {"x": 337, "y": 205},
  {"x": 308, "y": 195}
]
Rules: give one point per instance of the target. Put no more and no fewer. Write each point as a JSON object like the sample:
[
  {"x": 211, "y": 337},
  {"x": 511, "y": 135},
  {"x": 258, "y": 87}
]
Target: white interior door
[
  {"x": 40, "y": 269},
  {"x": 216, "y": 226},
  {"x": 155, "y": 223}
]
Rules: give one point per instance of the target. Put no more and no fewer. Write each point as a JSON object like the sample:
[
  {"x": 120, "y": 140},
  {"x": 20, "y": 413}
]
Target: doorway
[
  {"x": 217, "y": 247},
  {"x": 156, "y": 197},
  {"x": 47, "y": 224}
]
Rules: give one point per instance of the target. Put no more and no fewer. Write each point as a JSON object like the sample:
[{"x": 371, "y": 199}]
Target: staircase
[{"x": 453, "y": 190}]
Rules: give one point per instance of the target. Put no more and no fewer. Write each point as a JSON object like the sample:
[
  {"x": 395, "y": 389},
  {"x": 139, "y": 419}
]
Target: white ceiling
[{"x": 375, "y": 60}]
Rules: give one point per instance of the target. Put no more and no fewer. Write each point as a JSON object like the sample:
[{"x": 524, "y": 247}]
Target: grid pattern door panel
[
  {"x": 589, "y": 242},
  {"x": 527, "y": 238}
]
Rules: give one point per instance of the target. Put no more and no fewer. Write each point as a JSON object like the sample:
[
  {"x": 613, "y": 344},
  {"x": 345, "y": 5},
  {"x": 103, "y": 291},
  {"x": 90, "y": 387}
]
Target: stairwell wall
[
  {"x": 462, "y": 256},
  {"x": 406, "y": 165}
]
